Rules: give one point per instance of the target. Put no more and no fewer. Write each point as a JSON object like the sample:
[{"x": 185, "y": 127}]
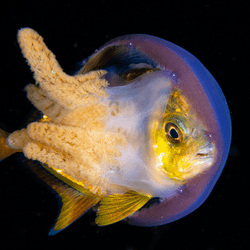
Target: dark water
[{"x": 216, "y": 33}]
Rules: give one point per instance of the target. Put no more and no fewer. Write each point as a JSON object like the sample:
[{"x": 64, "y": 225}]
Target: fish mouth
[
  {"x": 208, "y": 152},
  {"x": 203, "y": 159},
  {"x": 197, "y": 163}
]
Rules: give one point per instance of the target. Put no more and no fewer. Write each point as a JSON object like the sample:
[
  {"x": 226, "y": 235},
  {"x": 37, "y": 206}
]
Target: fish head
[{"x": 182, "y": 144}]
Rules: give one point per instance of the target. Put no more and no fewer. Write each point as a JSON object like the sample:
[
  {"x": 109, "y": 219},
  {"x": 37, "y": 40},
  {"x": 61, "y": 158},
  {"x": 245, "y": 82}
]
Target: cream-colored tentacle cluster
[{"x": 73, "y": 139}]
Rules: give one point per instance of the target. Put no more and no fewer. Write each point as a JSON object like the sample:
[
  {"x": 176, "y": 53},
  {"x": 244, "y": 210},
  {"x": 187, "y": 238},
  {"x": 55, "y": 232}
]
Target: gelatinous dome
[{"x": 144, "y": 52}]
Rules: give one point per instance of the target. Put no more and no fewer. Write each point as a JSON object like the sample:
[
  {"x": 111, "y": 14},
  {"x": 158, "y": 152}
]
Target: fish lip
[
  {"x": 199, "y": 162},
  {"x": 207, "y": 151}
]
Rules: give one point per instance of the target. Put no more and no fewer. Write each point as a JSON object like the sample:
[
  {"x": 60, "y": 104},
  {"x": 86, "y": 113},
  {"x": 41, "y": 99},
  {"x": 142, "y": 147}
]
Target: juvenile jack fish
[{"x": 142, "y": 119}]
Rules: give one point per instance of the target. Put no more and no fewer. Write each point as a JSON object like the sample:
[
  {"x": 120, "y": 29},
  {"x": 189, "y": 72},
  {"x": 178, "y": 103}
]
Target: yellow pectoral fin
[{"x": 114, "y": 208}]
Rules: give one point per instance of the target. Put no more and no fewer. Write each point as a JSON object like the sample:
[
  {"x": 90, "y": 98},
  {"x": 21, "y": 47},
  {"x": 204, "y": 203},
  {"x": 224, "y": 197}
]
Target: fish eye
[{"x": 173, "y": 133}]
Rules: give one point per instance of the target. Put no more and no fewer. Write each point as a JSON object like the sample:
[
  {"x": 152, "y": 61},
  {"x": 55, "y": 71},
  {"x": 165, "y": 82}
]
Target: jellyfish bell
[{"x": 128, "y": 57}]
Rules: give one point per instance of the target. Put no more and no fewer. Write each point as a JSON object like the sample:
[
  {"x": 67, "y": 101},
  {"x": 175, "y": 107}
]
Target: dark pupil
[{"x": 173, "y": 133}]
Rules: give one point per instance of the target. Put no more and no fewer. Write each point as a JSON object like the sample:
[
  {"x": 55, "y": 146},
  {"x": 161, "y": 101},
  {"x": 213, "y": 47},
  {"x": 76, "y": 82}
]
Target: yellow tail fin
[{"x": 75, "y": 199}]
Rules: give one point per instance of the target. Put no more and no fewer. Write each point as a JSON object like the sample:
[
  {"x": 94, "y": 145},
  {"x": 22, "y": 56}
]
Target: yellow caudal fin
[
  {"x": 74, "y": 205},
  {"x": 75, "y": 199},
  {"x": 114, "y": 208},
  {"x": 5, "y": 151}
]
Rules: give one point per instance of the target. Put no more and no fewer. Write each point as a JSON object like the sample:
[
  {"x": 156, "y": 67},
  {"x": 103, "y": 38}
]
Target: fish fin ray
[
  {"x": 114, "y": 208},
  {"x": 75, "y": 201},
  {"x": 74, "y": 205}
]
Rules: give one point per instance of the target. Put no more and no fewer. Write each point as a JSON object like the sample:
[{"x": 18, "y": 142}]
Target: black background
[{"x": 216, "y": 32}]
